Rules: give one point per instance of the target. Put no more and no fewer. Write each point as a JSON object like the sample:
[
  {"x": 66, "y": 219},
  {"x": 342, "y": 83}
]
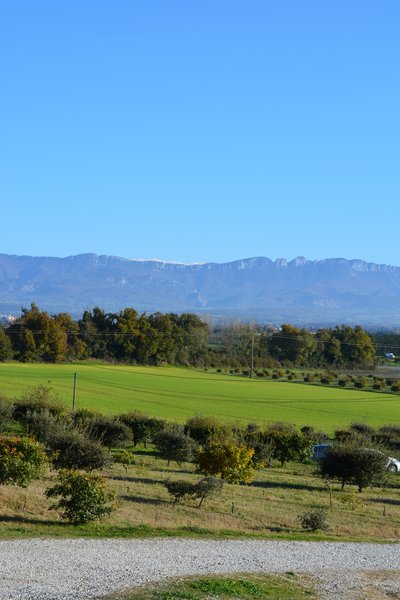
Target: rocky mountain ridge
[{"x": 333, "y": 290}]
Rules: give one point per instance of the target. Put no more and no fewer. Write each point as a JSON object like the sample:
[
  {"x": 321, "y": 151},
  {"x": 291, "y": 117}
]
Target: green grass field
[{"x": 177, "y": 393}]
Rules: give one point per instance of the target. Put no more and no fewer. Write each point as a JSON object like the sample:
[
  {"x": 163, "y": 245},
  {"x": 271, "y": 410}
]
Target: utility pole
[
  {"x": 252, "y": 357},
  {"x": 252, "y": 353},
  {"x": 74, "y": 394}
]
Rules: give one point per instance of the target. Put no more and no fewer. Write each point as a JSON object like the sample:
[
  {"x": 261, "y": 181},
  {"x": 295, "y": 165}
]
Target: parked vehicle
[{"x": 319, "y": 451}]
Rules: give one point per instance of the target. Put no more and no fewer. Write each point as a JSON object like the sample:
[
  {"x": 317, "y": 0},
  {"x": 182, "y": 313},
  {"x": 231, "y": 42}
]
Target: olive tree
[
  {"x": 173, "y": 444},
  {"x": 73, "y": 450},
  {"x": 350, "y": 462}
]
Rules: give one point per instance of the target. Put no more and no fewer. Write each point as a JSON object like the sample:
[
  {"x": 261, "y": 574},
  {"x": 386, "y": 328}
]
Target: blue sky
[{"x": 200, "y": 130}]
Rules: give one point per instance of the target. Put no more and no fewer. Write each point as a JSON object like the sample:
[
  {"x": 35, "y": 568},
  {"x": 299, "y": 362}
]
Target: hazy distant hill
[{"x": 300, "y": 291}]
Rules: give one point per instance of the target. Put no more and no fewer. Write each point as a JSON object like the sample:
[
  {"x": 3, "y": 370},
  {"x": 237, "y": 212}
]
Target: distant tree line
[
  {"x": 129, "y": 337},
  {"x": 387, "y": 341}
]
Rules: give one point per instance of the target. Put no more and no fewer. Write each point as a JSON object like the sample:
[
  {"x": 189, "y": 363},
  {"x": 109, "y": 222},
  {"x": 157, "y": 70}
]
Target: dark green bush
[
  {"x": 73, "y": 450},
  {"x": 314, "y": 520},
  {"x": 287, "y": 443},
  {"x": 82, "y": 418},
  {"x": 173, "y": 444},
  {"x": 180, "y": 489},
  {"x": 124, "y": 458},
  {"x": 110, "y": 431},
  {"x": 200, "y": 428},
  {"x": 142, "y": 426},
  {"x": 207, "y": 487}
]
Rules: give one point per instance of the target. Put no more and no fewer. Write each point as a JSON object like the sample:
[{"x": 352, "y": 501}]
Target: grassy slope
[
  {"x": 176, "y": 394},
  {"x": 269, "y": 508}
]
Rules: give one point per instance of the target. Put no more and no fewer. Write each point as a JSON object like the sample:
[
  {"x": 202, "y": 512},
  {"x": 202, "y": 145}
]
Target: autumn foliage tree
[
  {"x": 228, "y": 459},
  {"x": 21, "y": 460}
]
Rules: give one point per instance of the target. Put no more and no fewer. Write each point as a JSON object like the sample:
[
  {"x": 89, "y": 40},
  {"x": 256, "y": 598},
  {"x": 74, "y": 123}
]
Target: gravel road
[{"x": 81, "y": 568}]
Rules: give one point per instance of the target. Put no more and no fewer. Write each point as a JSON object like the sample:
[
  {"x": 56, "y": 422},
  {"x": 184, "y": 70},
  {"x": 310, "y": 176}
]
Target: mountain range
[{"x": 299, "y": 291}]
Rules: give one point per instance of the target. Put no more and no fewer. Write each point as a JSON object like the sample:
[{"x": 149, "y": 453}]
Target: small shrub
[
  {"x": 82, "y": 418},
  {"x": 362, "y": 429},
  {"x": 360, "y": 383},
  {"x": 37, "y": 399},
  {"x": 343, "y": 435},
  {"x": 180, "y": 489},
  {"x": 395, "y": 387},
  {"x": 44, "y": 424},
  {"x": 351, "y": 500},
  {"x": 124, "y": 458},
  {"x": 84, "y": 497},
  {"x": 207, "y": 487},
  {"x": 314, "y": 520},
  {"x": 342, "y": 382}
]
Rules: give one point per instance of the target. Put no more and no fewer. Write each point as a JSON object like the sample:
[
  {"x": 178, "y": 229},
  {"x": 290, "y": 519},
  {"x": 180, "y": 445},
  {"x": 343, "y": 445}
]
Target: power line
[{"x": 232, "y": 336}]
